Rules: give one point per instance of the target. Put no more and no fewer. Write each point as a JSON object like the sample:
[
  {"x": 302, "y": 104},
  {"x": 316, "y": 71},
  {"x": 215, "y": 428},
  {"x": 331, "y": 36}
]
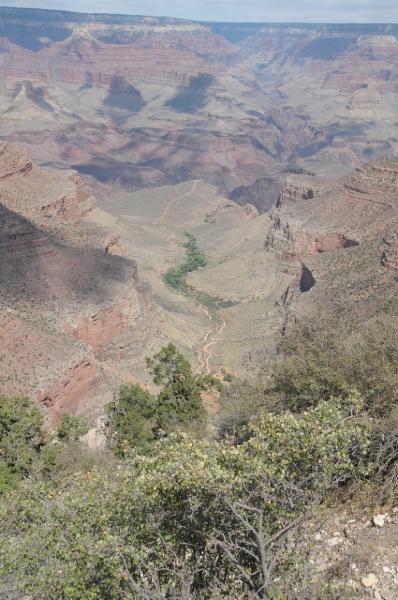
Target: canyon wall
[
  {"x": 133, "y": 102},
  {"x": 73, "y": 316}
]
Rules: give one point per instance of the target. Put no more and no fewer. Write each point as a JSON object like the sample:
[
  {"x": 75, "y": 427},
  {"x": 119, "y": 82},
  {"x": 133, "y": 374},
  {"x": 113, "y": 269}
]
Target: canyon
[
  {"x": 272, "y": 145},
  {"x": 134, "y": 102}
]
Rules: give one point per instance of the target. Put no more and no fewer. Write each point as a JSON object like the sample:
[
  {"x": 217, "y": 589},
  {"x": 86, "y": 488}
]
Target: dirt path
[
  {"x": 171, "y": 237},
  {"x": 174, "y": 201},
  {"x": 212, "y": 337}
]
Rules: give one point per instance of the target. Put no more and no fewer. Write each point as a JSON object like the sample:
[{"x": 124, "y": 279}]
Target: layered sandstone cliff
[
  {"x": 138, "y": 102},
  {"x": 73, "y": 316},
  {"x": 340, "y": 243}
]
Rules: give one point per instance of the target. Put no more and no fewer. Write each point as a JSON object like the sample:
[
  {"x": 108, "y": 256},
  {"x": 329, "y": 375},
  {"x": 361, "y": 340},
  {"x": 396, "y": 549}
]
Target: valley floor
[{"x": 151, "y": 225}]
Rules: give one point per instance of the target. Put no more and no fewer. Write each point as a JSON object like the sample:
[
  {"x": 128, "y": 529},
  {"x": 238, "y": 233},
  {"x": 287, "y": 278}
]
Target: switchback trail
[
  {"x": 173, "y": 202},
  {"x": 212, "y": 337}
]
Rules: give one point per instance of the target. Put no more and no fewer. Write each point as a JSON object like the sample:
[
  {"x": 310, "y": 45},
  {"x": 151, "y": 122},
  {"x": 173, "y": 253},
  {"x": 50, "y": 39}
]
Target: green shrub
[
  {"x": 137, "y": 418},
  {"x": 180, "y": 401},
  {"x": 71, "y": 428},
  {"x": 323, "y": 360},
  {"x": 132, "y": 419},
  {"x": 192, "y": 520},
  {"x": 195, "y": 259},
  {"x": 22, "y": 440}
]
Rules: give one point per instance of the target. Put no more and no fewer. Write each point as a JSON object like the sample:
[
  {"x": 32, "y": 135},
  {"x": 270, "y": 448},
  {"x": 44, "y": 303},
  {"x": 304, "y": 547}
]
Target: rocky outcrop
[
  {"x": 295, "y": 191},
  {"x": 25, "y": 242},
  {"x": 68, "y": 308},
  {"x": 75, "y": 205},
  {"x": 66, "y": 394},
  {"x": 389, "y": 257},
  {"x": 307, "y": 244},
  {"x": 13, "y": 161},
  {"x": 65, "y": 197},
  {"x": 110, "y": 331},
  {"x": 114, "y": 246},
  {"x": 292, "y": 245},
  {"x": 279, "y": 235},
  {"x": 96, "y": 438},
  {"x": 342, "y": 245}
]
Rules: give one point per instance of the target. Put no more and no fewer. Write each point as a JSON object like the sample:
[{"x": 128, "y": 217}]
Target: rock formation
[
  {"x": 245, "y": 134},
  {"x": 341, "y": 243},
  {"x": 132, "y": 102},
  {"x": 67, "y": 306}
]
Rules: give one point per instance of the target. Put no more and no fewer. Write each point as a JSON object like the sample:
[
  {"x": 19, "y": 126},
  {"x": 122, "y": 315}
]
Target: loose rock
[
  {"x": 369, "y": 581},
  {"x": 379, "y": 520}
]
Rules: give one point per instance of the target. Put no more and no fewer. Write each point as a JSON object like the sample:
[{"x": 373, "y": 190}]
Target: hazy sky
[{"x": 384, "y": 11}]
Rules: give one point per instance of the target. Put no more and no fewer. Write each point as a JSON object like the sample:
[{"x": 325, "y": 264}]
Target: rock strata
[{"x": 68, "y": 308}]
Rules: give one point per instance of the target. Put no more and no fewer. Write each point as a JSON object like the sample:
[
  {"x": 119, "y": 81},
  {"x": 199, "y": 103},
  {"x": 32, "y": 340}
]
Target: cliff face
[
  {"x": 345, "y": 236},
  {"x": 134, "y": 102},
  {"x": 36, "y": 29},
  {"x": 115, "y": 104},
  {"x": 91, "y": 49},
  {"x": 67, "y": 306},
  {"x": 339, "y": 80},
  {"x": 77, "y": 319}
]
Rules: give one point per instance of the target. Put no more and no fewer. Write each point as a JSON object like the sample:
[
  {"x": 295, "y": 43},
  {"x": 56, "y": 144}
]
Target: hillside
[
  {"x": 341, "y": 235},
  {"x": 66, "y": 302},
  {"x": 95, "y": 277}
]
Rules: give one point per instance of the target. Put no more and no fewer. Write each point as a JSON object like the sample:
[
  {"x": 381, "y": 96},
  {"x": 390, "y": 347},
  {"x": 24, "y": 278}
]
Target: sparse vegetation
[
  {"x": 176, "y": 277},
  {"x": 212, "y": 303},
  {"x": 328, "y": 359},
  {"x": 138, "y": 418},
  {"x": 195, "y": 259},
  {"x": 180, "y": 516}
]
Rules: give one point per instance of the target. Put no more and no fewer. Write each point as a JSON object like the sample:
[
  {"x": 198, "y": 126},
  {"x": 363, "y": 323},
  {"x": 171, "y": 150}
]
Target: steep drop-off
[
  {"x": 57, "y": 281},
  {"x": 135, "y": 102}
]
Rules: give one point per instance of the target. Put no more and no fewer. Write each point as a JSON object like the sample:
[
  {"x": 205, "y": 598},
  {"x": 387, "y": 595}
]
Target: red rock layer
[{"x": 69, "y": 309}]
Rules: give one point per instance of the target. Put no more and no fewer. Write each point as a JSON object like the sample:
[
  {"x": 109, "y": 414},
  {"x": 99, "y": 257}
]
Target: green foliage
[
  {"x": 180, "y": 401},
  {"x": 176, "y": 278},
  {"x": 169, "y": 367},
  {"x": 186, "y": 518},
  {"x": 132, "y": 419},
  {"x": 71, "y": 428},
  {"x": 22, "y": 440},
  {"x": 321, "y": 446},
  {"x": 195, "y": 259},
  {"x": 192, "y": 520},
  {"x": 213, "y": 303},
  {"x": 325, "y": 360},
  {"x": 137, "y": 418}
]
